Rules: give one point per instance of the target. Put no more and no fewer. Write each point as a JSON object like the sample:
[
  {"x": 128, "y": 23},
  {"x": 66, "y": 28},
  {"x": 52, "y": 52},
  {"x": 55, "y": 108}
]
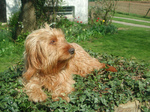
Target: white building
[
  {"x": 77, "y": 9},
  {"x": 12, "y": 6},
  {"x": 80, "y": 9}
]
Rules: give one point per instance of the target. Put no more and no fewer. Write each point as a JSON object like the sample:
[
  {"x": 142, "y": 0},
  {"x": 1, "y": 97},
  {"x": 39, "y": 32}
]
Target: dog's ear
[
  {"x": 29, "y": 69},
  {"x": 35, "y": 59},
  {"x": 36, "y": 56},
  {"x": 39, "y": 56}
]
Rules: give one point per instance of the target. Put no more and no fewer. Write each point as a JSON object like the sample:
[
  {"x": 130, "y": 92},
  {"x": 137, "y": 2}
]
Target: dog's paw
[
  {"x": 63, "y": 97},
  {"x": 111, "y": 68},
  {"x": 37, "y": 97}
]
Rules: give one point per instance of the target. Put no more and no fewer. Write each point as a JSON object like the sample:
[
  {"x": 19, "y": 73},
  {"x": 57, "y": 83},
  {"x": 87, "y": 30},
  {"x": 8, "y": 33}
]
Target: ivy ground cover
[{"x": 99, "y": 91}]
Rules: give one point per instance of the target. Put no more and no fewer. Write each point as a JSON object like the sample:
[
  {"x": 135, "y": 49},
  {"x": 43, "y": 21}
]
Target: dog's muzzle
[{"x": 71, "y": 50}]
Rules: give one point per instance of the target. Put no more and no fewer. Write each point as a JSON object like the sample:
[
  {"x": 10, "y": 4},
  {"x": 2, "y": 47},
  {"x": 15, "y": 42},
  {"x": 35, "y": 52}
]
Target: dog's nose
[{"x": 71, "y": 50}]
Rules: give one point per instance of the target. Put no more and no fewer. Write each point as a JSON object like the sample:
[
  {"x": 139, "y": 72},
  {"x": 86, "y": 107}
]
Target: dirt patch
[
  {"x": 134, "y": 7},
  {"x": 130, "y": 24}
]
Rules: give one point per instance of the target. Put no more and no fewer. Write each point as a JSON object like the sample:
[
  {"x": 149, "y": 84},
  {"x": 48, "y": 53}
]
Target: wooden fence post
[{"x": 147, "y": 12}]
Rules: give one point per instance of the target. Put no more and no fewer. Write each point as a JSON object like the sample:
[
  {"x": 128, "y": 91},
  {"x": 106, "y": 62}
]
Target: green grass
[
  {"x": 132, "y": 16},
  {"x": 9, "y": 61},
  {"x": 10, "y": 52},
  {"x": 130, "y": 42}
]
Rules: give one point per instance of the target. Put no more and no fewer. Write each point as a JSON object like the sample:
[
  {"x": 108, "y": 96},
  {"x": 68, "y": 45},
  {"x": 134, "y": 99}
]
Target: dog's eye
[{"x": 52, "y": 42}]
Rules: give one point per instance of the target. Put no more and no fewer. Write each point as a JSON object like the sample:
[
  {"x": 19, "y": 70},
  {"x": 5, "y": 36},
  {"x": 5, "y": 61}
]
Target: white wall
[
  {"x": 81, "y": 9},
  {"x": 12, "y": 6}
]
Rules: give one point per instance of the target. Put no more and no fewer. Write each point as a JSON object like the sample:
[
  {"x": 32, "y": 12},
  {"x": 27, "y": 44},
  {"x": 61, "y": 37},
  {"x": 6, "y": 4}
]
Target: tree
[
  {"x": 27, "y": 17},
  {"x": 2, "y": 11},
  {"x": 46, "y": 10},
  {"x": 34, "y": 13}
]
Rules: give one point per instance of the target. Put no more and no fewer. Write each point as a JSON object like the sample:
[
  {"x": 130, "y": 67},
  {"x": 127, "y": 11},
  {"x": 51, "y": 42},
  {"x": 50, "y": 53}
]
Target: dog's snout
[{"x": 71, "y": 50}]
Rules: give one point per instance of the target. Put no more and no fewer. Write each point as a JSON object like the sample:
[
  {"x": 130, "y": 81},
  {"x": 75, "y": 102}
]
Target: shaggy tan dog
[{"x": 50, "y": 63}]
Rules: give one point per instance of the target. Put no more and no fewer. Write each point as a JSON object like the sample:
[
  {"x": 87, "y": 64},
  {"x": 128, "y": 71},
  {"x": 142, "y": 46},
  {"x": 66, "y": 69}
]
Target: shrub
[
  {"x": 6, "y": 47},
  {"x": 100, "y": 16},
  {"x": 12, "y": 27},
  {"x": 76, "y": 31},
  {"x": 99, "y": 91},
  {"x": 13, "y": 20},
  {"x": 104, "y": 9},
  {"x": 22, "y": 37}
]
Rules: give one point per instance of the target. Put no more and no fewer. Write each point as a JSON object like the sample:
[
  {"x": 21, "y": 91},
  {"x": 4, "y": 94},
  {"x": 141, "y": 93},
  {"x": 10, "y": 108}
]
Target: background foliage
[{"x": 104, "y": 10}]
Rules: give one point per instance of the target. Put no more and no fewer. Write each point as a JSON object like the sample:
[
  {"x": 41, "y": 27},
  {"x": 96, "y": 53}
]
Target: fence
[{"x": 138, "y": 8}]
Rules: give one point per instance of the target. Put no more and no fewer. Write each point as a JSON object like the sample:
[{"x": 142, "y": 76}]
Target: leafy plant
[
  {"x": 100, "y": 26},
  {"x": 13, "y": 20},
  {"x": 47, "y": 11},
  {"x": 75, "y": 31},
  {"x": 104, "y": 9},
  {"x": 5, "y": 46},
  {"x": 99, "y": 91},
  {"x": 22, "y": 37}
]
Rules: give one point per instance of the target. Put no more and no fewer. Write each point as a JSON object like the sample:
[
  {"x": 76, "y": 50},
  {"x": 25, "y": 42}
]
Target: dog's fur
[{"x": 50, "y": 63}]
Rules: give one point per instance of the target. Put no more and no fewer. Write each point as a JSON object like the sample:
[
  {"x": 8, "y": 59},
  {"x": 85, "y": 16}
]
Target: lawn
[
  {"x": 146, "y": 20},
  {"x": 129, "y": 42},
  {"x": 10, "y": 52},
  {"x": 131, "y": 16}
]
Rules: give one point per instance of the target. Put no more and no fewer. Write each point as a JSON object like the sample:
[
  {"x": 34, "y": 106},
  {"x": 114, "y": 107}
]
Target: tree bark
[
  {"x": 3, "y": 11},
  {"x": 27, "y": 18}
]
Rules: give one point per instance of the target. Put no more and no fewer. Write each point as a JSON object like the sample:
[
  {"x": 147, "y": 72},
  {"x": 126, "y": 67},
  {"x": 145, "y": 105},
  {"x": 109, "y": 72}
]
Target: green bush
[
  {"x": 22, "y": 37},
  {"x": 13, "y": 20},
  {"x": 13, "y": 23},
  {"x": 6, "y": 47},
  {"x": 99, "y": 91},
  {"x": 76, "y": 31},
  {"x": 100, "y": 26}
]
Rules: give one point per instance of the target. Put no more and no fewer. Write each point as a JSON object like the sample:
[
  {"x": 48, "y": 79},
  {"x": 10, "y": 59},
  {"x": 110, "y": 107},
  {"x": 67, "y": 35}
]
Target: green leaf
[{"x": 103, "y": 100}]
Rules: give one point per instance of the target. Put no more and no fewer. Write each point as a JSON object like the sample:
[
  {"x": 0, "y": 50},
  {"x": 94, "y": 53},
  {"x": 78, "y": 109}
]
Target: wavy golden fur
[{"x": 50, "y": 63}]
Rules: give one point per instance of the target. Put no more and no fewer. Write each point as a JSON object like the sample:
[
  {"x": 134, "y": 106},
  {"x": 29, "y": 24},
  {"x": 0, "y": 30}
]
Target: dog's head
[{"x": 47, "y": 50}]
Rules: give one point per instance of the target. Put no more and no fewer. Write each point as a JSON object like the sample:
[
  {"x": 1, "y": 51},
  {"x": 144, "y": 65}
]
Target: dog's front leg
[
  {"x": 34, "y": 90},
  {"x": 62, "y": 86}
]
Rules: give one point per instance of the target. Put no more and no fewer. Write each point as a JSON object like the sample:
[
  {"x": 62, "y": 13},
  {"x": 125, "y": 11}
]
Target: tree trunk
[
  {"x": 3, "y": 11},
  {"x": 27, "y": 18}
]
